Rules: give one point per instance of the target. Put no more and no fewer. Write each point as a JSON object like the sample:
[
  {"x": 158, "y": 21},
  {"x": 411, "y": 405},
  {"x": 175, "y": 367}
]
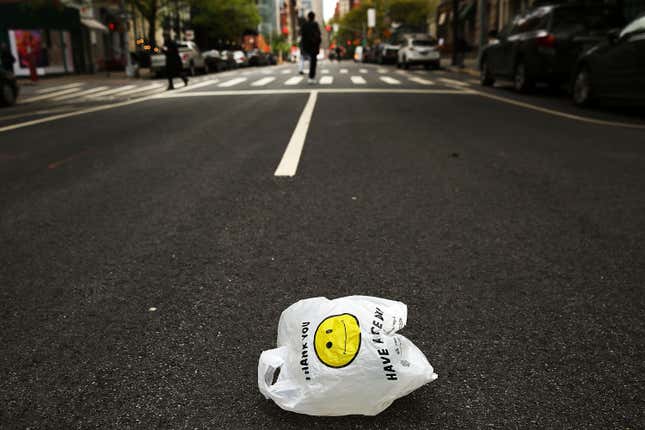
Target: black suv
[{"x": 544, "y": 44}]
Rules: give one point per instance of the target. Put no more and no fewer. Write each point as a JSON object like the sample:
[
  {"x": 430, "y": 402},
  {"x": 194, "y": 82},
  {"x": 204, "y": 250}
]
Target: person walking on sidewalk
[
  {"x": 311, "y": 39},
  {"x": 7, "y": 57},
  {"x": 174, "y": 66}
]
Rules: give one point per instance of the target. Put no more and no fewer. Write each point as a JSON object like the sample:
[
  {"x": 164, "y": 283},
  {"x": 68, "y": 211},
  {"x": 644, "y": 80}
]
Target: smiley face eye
[
  {"x": 328, "y": 344},
  {"x": 328, "y": 331}
]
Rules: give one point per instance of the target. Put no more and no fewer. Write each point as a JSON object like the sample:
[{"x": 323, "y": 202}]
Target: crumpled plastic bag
[{"x": 342, "y": 357}]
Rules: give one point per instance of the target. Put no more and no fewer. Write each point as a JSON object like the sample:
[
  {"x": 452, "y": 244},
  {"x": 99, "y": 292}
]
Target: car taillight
[
  {"x": 184, "y": 57},
  {"x": 547, "y": 40}
]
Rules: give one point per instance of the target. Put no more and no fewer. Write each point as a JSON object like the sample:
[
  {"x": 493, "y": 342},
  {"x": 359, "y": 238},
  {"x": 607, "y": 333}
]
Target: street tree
[{"x": 226, "y": 20}]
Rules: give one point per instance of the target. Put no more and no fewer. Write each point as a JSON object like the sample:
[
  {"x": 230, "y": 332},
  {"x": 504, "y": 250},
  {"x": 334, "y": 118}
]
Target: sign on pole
[
  {"x": 335, "y": 27},
  {"x": 371, "y": 17}
]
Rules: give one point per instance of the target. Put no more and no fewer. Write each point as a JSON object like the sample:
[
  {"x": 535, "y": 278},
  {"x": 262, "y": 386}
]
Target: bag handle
[{"x": 269, "y": 368}]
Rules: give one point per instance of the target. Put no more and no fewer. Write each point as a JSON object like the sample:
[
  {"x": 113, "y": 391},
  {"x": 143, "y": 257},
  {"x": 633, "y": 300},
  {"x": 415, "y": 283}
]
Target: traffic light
[
  {"x": 328, "y": 28},
  {"x": 111, "y": 26}
]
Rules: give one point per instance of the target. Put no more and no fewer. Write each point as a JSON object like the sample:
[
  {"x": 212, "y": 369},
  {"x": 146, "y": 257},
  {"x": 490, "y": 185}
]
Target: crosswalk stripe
[
  {"x": 358, "y": 80},
  {"x": 113, "y": 91},
  {"x": 81, "y": 94},
  {"x": 232, "y": 82},
  {"x": 343, "y": 70},
  {"x": 286, "y": 71},
  {"x": 141, "y": 89},
  {"x": 267, "y": 72},
  {"x": 263, "y": 81},
  {"x": 389, "y": 80},
  {"x": 201, "y": 84},
  {"x": 381, "y": 70},
  {"x": 326, "y": 80},
  {"x": 453, "y": 82},
  {"x": 362, "y": 70},
  {"x": 421, "y": 80},
  {"x": 293, "y": 81},
  {"x": 59, "y": 87},
  {"x": 50, "y": 95},
  {"x": 401, "y": 72},
  {"x": 325, "y": 71}
]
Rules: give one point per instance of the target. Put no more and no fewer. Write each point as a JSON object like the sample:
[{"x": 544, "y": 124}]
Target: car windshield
[{"x": 425, "y": 42}]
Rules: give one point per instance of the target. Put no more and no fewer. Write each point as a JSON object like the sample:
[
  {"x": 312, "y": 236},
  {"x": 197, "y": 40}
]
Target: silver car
[
  {"x": 191, "y": 59},
  {"x": 418, "y": 49}
]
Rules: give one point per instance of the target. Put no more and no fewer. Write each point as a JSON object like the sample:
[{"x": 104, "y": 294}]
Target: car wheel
[
  {"x": 207, "y": 69},
  {"x": 7, "y": 94},
  {"x": 191, "y": 69},
  {"x": 521, "y": 80},
  {"x": 406, "y": 65},
  {"x": 582, "y": 91},
  {"x": 486, "y": 77}
]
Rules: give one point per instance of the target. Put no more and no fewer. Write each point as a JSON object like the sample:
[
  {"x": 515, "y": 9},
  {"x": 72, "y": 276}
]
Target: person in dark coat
[
  {"x": 310, "y": 39},
  {"x": 174, "y": 66},
  {"x": 7, "y": 59}
]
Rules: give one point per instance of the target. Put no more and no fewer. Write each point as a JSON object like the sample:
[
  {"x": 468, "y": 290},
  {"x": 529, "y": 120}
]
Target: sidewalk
[
  {"x": 28, "y": 87},
  {"x": 470, "y": 66}
]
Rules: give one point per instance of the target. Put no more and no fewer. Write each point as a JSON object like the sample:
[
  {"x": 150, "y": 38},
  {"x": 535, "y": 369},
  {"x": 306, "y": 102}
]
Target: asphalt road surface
[{"x": 148, "y": 248}]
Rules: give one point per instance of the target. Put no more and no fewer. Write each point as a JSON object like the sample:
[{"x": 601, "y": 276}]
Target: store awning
[{"x": 93, "y": 24}]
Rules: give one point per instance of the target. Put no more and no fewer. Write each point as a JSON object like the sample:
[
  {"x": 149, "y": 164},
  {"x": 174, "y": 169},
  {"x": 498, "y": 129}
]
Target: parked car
[
  {"x": 8, "y": 88},
  {"x": 543, "y": 44},
  {"x": 418, "y": 49},
  {"x": 227, "y": 56},
  {"x": 613, "y": 69},
  {"x": 240, "y": 59},
  {"x": 255, "y": 57},
  {"x": 214, "y": 60},
  {"x": 191, "y": 59},
  {"x": 387, "y": 52},
  {"x": 370, "y": 54}
]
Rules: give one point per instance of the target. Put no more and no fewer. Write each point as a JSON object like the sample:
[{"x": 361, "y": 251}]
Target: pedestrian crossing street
[{"x": 273, "y": 78}]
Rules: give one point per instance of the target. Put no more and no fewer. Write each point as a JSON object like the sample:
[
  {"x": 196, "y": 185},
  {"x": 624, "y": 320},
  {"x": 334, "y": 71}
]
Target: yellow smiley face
[{"x": 337, "y": 340}]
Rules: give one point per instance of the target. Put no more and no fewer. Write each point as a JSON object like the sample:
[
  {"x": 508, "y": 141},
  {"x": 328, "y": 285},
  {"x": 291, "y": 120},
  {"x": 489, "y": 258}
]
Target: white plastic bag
[{"x": 342, "y": 357}]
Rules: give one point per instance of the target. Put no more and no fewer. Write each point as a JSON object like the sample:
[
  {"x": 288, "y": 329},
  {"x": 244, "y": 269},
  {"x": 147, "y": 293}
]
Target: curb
[{"x": 466, "y": 70}]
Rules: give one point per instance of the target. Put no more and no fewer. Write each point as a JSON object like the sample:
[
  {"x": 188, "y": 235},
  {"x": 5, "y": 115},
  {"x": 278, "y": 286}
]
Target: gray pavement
[{"x": 511, "y": 225}]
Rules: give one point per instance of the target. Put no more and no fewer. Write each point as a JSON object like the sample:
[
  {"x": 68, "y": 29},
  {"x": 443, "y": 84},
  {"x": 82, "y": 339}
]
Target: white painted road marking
[
  {"x": 326, "y": 80},
  {"x": 59, "y": 87},
  {"x": 81, "y": 94},
  {"x": 263, "y": 81},
  {"x": 291, "y": 157},
  {"x": 293, "y": 81},
  {"x": 50, "y": 95},
  {"x": 343, "y": 70},
  {"x": 325, "y": 71},
  {"x": 381, "y": 70},
  {"x": 453, "y": 82},
  {"x": 358, "y": 80},
  {"x": 389, "y": 80},
  {"x": 421, "y": 81},
  {"x": 232, "y": 82},
  {"x": 113, "y": 91},
  {"x": 141, "y": 89},
  {"x": 286, "y": 71},
  {"x": 198, "y": 85},
  {"x": 362, "y": 70}
]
